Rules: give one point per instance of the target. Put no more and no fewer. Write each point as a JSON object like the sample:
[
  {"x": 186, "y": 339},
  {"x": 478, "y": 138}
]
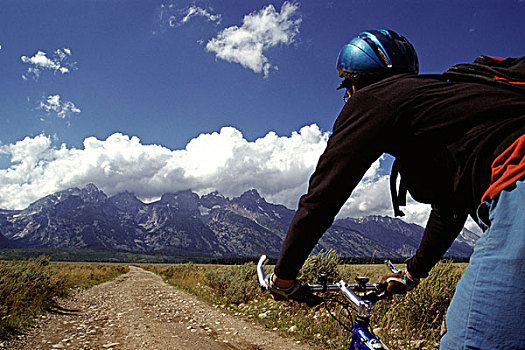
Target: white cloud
[
  {"x": 58, "y": 62},
  {"x": 372, "y": 196},
  {"x": 260, "y": 31},
  {"x": 194, "y": 11},
  {"x": 277, "y": 166},
  {"x": 225, "y": 161},
  {"x": 170, "y": 16},
  {"x": 54, "y": 104}
]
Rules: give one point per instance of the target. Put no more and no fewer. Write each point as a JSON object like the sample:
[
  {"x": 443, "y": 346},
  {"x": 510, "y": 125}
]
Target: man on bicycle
[{"x": 456, "y": 144}]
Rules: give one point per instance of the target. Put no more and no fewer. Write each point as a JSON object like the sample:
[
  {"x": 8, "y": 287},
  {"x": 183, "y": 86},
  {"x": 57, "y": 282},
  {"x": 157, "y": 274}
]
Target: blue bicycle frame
[{"x": 362, "y": 337}]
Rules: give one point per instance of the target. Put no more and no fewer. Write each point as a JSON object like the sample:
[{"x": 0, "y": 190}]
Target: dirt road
[{"x": 139, "y": 311}]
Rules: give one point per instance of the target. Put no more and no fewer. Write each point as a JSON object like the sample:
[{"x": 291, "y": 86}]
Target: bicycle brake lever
[
  {"x": 378, "y": 294},
  {"x": 304, "y": 295}
]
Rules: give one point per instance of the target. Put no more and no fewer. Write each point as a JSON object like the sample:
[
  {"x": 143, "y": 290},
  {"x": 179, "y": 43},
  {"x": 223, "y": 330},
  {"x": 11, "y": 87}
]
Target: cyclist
[{"x": 455, "y": 143}]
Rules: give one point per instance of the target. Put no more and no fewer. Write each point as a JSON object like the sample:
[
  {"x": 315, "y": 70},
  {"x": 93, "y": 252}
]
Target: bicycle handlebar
[
  {"x": 376, "y": 291},
  {"x": 260, "y": 272}
]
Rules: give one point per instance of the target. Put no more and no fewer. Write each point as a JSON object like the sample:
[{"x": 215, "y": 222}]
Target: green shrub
[
  {"x": 26, "y": 289},
  {"x": 416, "y": 317},
  {"x": 218, "y": 281},
  {"x": 325, "y": 262},
  {"x": 411, "y": 322},
  {"x": 236, "y": 285},
  {"x": 85, "y": 275}
]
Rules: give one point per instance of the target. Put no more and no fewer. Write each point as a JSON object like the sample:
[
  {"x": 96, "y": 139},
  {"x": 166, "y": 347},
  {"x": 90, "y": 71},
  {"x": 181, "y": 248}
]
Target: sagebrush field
[
  {"x": 28, "y": 288},
  {"x": 412, "y": 321}
]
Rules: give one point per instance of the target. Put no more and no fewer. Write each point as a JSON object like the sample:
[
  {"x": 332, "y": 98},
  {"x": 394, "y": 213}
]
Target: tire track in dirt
[{"x": 139, "y": 311}]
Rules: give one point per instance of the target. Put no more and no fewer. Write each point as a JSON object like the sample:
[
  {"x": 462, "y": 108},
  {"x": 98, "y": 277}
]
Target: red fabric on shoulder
[
  {"x": 508, "y": 81},
  {"x": 497, "y": 58},
  {"x": 507, "y": 168}
]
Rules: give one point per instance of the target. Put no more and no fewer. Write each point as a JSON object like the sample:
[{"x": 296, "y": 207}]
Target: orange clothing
[{"x": 507, "y": 168}]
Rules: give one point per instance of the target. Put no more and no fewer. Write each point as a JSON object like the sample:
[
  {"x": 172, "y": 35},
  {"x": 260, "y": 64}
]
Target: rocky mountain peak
[
  {"x": 251, "y": 195},
  {"x": 183, "y": 201},
  {"x": 91, "y": 193},
  {"x": 213, "y": 199},
  {"x": 126, "y": 201},
  {"x": 250, "y": 199},
  {"x": 180, "y": 196},
  {"x": 183, "y": 223},
  {"x": 126, "y": 195}
]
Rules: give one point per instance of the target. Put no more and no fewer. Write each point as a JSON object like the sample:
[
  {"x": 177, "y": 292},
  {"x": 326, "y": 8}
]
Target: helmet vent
[
  {"x": 383, "y": 57},
  {"x": 378, "y": 48},
  {"x": 376, "y": 51}
]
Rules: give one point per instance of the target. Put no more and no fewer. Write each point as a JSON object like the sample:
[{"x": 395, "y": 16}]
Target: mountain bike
[{"x": 359, "y": 300}]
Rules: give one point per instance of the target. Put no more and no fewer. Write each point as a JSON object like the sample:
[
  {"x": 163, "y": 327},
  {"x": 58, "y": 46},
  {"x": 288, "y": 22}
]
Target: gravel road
[{"x": 139, "y": 311}]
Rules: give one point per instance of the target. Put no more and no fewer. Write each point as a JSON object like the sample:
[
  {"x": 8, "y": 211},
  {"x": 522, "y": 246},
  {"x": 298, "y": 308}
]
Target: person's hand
[
  {"x": 399, "y": 283},
  {"x": 282, "y": 289}
]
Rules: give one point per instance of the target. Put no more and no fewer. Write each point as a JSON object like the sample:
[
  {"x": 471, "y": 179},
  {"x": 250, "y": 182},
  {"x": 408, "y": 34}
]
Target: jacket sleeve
[
  {"x": 443, "y": 226},
  {"x": 359, "y": 137}
]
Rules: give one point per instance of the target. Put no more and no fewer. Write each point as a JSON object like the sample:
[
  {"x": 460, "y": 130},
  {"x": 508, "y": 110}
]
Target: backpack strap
[
  {"x": 399, "y": 198},
  {"x": 502, "y": 72}
]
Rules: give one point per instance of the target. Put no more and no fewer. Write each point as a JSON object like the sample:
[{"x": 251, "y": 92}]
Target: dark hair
[{"x": 362, "y": 79}]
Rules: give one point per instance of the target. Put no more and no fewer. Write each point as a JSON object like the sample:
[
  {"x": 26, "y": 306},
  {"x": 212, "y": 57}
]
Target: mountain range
[{"x": 186, "y": 224}]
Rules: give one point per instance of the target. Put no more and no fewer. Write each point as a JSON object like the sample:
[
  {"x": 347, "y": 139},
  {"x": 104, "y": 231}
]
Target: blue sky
[{"x": 154, "y": 96}]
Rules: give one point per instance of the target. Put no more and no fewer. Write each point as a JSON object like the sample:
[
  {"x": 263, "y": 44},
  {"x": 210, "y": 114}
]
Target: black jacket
[{"x": 445, "y": 136}]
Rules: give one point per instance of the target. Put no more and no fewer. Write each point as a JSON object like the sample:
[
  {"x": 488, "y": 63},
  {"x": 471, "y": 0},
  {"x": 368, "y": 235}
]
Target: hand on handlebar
[
  {"x": 297, "y": 291},
  {"x": 281, "y": 293},
  {"x": 399, "y": 283}
]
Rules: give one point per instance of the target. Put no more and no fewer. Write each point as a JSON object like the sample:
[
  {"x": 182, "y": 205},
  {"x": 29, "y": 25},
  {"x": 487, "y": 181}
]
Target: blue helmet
[{"x": 382, "y": 52}]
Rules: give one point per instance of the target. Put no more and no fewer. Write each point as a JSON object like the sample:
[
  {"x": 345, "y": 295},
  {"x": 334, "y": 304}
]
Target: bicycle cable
[{"x": 335, "y": 317}]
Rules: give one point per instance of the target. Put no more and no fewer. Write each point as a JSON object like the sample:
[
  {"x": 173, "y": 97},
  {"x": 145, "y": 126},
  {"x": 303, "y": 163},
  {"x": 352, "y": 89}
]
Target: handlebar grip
[
  {"x": 305, "y": 295},
  {"x": 306, "y": 292},
  {"x": 261, "y": 275},
  {"x": 391, "y": 266}
]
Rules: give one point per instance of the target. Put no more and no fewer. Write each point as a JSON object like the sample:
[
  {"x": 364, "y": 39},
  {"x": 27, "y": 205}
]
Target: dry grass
[
  {"x": 413, "y": 321},
  {"x": 188, "y": 277},
  {"x": 28, "y": 288},
  {"x": 407, "y": 322},
  {"x": 85, "y": 275}
]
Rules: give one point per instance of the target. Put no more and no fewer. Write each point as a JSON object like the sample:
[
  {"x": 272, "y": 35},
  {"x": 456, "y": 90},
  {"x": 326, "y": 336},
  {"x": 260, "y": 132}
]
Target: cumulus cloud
[
  {"x": 277, "y": 166},
  {"x": 259, "y": 32},
  {"x": 54, "y": 104},
  {"x": 372, "y": 196},
  {"x": 58, "y": 62}
]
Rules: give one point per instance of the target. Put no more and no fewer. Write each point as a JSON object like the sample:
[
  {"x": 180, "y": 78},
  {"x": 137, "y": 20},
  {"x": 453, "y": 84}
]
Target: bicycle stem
[{"x": 364, "y": 307}]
